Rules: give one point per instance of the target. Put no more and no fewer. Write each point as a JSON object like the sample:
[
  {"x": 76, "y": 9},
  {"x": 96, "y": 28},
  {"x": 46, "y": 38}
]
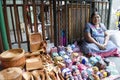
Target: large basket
[{"x": 13, "y": 58}]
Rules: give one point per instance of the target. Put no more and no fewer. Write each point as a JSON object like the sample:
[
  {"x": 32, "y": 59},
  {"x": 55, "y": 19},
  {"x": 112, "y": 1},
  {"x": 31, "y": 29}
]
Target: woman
[{"x": 96, "y": 39}]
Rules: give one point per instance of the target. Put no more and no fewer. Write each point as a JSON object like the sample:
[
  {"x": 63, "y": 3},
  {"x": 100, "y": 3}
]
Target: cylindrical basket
[{"x": 13, "y": 58}]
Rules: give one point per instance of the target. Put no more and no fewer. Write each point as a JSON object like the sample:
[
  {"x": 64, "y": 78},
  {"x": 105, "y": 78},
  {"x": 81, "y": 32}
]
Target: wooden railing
[{"x": 21, "y": 18}]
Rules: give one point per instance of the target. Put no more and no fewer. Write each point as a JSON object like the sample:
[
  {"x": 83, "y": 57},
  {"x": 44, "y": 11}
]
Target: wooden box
[{"x": 33, "y": 61}]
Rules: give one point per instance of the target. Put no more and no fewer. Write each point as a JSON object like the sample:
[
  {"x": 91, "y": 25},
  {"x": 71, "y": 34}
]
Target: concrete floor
[{"x": 116, "y": 60}]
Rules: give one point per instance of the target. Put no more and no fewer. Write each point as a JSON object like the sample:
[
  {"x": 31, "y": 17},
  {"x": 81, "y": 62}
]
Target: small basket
[
  {"x": 13, "y": 58},
  {"x": 35, "y": 41}
]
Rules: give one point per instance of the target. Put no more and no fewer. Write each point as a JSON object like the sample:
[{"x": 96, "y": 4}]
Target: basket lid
[{"x": 11, "y": 73}]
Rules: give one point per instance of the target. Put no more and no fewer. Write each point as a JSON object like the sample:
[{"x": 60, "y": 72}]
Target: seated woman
[{"x": 96, "y": 39}]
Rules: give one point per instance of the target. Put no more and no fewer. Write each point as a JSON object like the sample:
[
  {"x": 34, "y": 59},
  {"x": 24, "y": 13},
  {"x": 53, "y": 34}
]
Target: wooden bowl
[
  {"x": 13, "y": 58},
  {"x": 13, "y": 73}
]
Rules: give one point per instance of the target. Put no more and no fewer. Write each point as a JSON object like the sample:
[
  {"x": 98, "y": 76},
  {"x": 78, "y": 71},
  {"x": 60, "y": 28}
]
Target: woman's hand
[{"x": 102, "y": 46}]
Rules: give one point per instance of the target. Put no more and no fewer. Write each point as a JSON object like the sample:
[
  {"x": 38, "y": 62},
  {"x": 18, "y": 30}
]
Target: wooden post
[
  {"x": 42, "y": 16},
  {"x": 26, "y": 23},
  {"x": 35, "y": 18},
  {"x": 51, "y": 23},
  {"x": 1, "y": 45},
  {"x": 58, "y": 21},
  {"x": 17, "y": 23},
  {"x": 55, "y": 24}
]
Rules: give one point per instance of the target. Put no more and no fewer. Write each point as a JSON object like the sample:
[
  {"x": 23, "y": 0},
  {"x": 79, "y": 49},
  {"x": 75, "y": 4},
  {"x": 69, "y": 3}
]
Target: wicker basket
[
  {"x": 35, "y": 41},
  {"x": 13, "y": 73},
  {"x": 13, "y": 58}
]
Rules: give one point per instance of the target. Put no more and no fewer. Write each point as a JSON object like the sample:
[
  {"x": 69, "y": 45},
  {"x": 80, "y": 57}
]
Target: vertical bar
[
  {"x": 6, "y": 23},
  {"x": 51, "y": 23},
  {"x": 59, "y": 28},
  {"x": 66, "y": 21},
  {"x": 91, "y": 4},
  {"x": 73, "y": 22},
  {"x": 79, "y": 20},
  {"x": 102, "y": 12},
  {"x": 17, "y": 23},
  {"x": 71, "y": 32},
  {"x": 85, "y": 16},
  {"x": 42, "y": 14},
  {"x": 45, "y": 7},
  {"x": 29, "y": 18},
  {"x": 76, "y": 25},
  {"x": 55, "y": 24},
  {"x": 1, "y": 45},
  {"x": 81, "y": 17},
  {"x": 13, "y": 24},
  {"x": 61, "y": 31},
  {"x": 98, "y": 6},
  {"x": 82, "y": 7},
  {"x": 3, "y": 29},
  {"x": 85, "y": 13},
  {"x": 109, "y": 13},
  {"x": 35, "y": 18},
  {"x": 26, "y": 23},
  {"x": 106, "y": 13}
]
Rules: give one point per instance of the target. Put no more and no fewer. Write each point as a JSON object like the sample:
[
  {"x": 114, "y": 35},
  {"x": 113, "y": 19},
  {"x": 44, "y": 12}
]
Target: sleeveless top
[{"x": 96, "y": 33}]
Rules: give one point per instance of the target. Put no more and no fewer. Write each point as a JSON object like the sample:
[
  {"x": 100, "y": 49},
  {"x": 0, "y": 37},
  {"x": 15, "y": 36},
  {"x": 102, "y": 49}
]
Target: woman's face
[{"x": 96, "y": 19}]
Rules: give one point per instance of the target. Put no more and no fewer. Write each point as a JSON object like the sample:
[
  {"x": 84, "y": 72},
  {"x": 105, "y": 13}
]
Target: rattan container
[
  {"x": 13, "y": 58},
  {"x": 35, "y": 41}
]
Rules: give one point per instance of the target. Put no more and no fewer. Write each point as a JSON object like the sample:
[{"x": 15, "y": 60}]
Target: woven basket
[
  {"x": 13, "y": 58},
  {"x": 35, "y": 41},
  {"x": 13, "y": 73}
]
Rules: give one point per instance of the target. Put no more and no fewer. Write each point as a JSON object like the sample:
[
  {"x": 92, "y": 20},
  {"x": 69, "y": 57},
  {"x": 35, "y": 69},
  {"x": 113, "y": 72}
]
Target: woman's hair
[{"x": 94, "y": 13}]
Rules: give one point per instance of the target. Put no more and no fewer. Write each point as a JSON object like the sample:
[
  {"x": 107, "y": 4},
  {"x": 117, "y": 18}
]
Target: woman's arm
[
  {"x": 106, "y": 38},
  {"x": 90, "y": 39}
]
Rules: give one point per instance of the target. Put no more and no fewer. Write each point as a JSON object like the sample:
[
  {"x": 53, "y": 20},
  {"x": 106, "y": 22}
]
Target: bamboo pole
[
  {"x": 6, "y": 23},
  {"x": 3, "y": 29}
]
